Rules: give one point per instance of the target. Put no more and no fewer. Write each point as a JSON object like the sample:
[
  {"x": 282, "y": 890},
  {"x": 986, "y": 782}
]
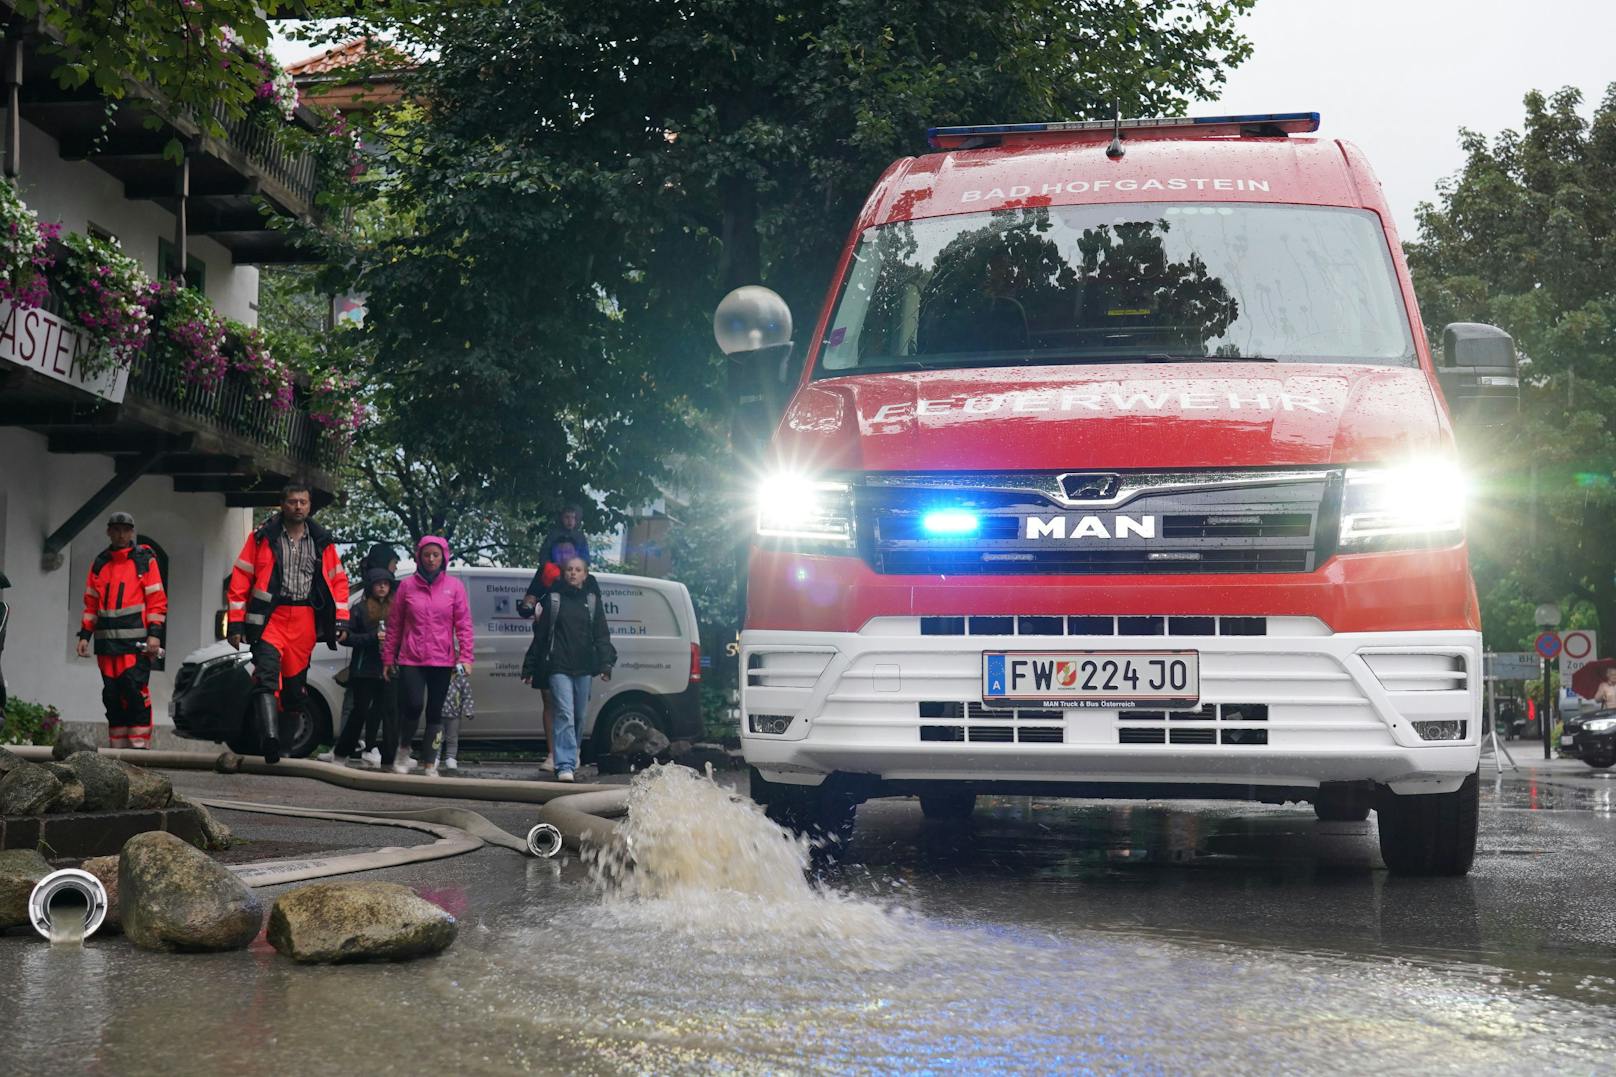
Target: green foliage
[
  {"x": 1523, "y": 239},
  {"x": 29, "y": 723},
  {"x": 577, "y": 184}
]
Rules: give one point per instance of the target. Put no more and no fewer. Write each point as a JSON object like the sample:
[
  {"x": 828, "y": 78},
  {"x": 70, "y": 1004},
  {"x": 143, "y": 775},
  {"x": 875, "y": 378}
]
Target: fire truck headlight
[
  {"x": 1412, "y": 504},
  {"x": 794, "y": 506}
]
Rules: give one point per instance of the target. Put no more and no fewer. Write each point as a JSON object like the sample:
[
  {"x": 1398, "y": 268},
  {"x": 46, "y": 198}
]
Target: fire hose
[{"x": 572, "y": 816}]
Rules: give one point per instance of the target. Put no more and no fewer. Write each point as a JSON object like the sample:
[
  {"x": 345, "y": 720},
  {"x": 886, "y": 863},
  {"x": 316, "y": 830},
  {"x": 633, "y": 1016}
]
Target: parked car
[
  {"x": 1594, "y": 742},
  {"x": 656, "y": 683}
]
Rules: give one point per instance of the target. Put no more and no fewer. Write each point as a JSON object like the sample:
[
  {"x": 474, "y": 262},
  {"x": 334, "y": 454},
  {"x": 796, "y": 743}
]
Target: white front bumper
[{"x": 855, "y": 704}]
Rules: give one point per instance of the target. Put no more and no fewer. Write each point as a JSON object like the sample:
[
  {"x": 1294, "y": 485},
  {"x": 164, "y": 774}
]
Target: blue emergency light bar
[
  {"x": 949, "y": 522},
  {"x": 1291, "y": 123}
]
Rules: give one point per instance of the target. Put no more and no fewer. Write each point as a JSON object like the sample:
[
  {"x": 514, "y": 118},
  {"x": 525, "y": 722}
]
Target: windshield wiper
[{"x": 1187, "y": 357}]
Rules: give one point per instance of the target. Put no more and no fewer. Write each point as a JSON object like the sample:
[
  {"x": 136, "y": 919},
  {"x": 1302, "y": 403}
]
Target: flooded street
[{"x": 1043, "y": 937}]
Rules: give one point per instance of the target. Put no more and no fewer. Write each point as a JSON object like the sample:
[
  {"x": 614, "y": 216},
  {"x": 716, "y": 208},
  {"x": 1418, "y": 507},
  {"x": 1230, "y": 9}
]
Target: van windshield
[{"x": 1120, "y": 283}]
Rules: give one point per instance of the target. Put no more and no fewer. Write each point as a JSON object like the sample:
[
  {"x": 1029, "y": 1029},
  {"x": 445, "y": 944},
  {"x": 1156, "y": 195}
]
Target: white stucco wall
[
  {"x": 38, "y": 491},
  {"x": 77, "y": 193}
]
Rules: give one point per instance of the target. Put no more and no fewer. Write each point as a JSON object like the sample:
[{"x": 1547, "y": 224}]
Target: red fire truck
[{"x": 1119, "y": 466}]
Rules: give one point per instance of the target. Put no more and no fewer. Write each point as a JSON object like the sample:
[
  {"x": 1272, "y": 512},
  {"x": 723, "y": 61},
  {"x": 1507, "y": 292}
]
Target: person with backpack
[
  {"x": 571, "y": 646},
  {"x": 125, "y": 610}
]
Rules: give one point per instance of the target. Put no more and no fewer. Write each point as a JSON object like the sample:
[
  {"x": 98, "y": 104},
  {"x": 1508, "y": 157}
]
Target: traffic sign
[
  {"x": 1513, "y": 666},
  {"x": 1548, "y": 644},
  {"x": 1578, "y": 648}
]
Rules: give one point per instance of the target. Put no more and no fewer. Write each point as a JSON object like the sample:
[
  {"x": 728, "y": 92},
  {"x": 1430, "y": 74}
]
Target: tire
[
  {"x": 306, "y": 730},
  {"x": 1430, "y": 833},
  {"x": 948, "y": 807},
  {"x": 823, "y": 813},
  {"x": 622, "y": 719},
  {"x": 1601, "y": 763},
  {"x": 1341, "y": 803},
  {"x": 300, "y": 735}
]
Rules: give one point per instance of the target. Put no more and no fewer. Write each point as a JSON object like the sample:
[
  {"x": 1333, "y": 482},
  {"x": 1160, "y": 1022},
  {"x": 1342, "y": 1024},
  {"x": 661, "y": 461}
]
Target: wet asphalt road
[{"x": 1044, "y": 936}]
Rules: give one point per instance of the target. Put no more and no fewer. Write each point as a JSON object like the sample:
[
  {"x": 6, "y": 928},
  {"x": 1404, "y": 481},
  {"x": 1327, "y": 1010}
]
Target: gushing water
[
  {"x": 700, "y": 857},
  {"x": 68, "y": 917}
]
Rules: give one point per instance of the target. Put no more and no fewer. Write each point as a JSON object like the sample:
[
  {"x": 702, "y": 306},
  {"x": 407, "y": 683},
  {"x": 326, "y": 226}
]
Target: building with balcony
[{"x": 194, "y": 464}]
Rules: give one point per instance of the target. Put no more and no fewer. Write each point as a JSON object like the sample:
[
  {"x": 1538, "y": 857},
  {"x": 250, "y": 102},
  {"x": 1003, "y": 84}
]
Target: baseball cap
[{"x": 120, "y": 518}]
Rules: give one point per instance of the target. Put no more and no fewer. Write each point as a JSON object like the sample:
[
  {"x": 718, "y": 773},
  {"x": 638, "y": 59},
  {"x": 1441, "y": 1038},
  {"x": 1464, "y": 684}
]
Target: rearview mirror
[{"x": 1479, "y": 374}]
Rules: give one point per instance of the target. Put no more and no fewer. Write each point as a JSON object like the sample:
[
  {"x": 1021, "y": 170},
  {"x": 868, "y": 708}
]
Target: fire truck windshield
[{"x": 1120, "y": 283}]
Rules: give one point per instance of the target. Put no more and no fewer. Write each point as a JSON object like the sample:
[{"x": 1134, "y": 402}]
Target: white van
[{"x": 656, "y": 682}]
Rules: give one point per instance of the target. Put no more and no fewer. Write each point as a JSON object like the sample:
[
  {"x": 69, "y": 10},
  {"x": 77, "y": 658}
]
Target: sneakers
[
  {"x": 451, "y": 763},
  {"x": 401, "y": 768},
  {"x": 327, "y": 757},
  {"x": 564, "y": 776},
  {"x": 430, "y": 771},
  {"x": 549, "y": 762},
  {"x": 371, "y": 760}
]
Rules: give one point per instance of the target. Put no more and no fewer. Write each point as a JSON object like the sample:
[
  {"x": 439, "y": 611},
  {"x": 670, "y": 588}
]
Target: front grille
[
  {"x": 1214, "y": 723},
  {"x": 1209, "y": 522},
  {"x": 1089, "y": 625}
]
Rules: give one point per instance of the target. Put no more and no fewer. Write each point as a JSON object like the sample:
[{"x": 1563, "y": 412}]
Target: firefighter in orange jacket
[
  {"x": 287, "y": 590},
  {"x": 125, "y": 610}
]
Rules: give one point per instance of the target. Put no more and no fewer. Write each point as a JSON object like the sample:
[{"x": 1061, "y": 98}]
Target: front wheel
[
  {"x": 1430, "y": 833},
  {"x": 947, "y": 807},
  {"x": 824, "y": 812},
  {"x": 1601, "y": 763},
  {"x": 300, "y": 731}
]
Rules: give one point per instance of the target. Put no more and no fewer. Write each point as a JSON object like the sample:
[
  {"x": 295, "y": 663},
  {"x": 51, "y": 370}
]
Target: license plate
[
  {"x": 1566, "y": 742},
  {"x": 1165, "y": 680}
]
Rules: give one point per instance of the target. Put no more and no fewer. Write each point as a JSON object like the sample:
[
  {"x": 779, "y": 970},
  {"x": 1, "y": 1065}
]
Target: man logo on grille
[{"x": 1089, "y": 486}]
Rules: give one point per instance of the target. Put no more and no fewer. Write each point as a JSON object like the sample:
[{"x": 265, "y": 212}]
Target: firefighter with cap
[
  {"x": 287, "y": 591},
  {"x": 125, "y": 608}
]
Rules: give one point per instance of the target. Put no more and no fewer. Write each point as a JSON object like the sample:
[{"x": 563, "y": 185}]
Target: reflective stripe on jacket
[
  {"x": 124, "y": 601},
  {"x": 255, "y": 581}
]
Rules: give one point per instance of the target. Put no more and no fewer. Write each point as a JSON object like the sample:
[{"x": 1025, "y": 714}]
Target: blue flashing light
[
  {"x": 949, "y": 522},
  {"x": 1294, "y": 123}
]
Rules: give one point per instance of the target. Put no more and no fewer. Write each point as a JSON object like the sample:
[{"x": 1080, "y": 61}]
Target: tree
[
  {"x": 584, "y": 181},
  {"x": 1523, "y": 238}
]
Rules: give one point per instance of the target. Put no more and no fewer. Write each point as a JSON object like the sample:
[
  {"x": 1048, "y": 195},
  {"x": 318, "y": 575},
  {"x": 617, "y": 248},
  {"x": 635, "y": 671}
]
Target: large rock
[
  {"x": 105, "y": 868},
  {"x": 71, "y": 742},
  {"x": 147, "y": 788},
  {"x": 106, "y": 786},
  {"x": 215, "y": 835},
  {"x": 347, "y": 921},
  {"x": 173, "y": 896},
  {"x": 27, "y": 789},
  {"x": 71, "y": 798},
  {"x": 20, "y": 872},
  {"x": 9, "y": 760}
]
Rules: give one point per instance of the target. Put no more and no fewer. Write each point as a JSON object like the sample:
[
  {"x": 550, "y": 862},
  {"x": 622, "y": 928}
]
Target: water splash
[{"x": 697, "y": 857}]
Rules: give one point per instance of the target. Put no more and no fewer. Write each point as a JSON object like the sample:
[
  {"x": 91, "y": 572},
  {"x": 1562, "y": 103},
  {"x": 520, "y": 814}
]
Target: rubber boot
[{"x": 266, "y": 713}]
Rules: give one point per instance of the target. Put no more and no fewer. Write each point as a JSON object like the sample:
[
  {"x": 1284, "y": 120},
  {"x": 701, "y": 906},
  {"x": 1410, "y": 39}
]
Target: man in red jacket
[
  {"x": 287, "y": 591},
  {"x": 125, "y": 612}
]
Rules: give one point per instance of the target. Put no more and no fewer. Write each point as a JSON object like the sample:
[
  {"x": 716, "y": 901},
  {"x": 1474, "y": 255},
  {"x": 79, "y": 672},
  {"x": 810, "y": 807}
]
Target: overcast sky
[{"x": 1400, "y": 77}]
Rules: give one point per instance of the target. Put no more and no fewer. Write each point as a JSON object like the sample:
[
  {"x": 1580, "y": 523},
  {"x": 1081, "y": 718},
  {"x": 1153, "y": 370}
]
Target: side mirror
[
  {"x": 1480, "y": 374},
  {"x": 752, "y": 326}
]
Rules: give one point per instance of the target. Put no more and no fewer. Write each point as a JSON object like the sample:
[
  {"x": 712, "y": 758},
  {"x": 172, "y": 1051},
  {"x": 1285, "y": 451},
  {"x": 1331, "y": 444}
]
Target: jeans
[
  {"x": 418, "y": 685},
  {"x": 571, "y": 704}
]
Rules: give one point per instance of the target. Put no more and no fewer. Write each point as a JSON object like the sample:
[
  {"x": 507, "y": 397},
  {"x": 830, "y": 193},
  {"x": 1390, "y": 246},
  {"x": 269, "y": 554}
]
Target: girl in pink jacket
[{"x": 428, "y": 633}]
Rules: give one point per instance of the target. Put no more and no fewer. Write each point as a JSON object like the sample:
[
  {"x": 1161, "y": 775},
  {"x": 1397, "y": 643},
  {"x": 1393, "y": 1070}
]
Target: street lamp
[{"x": 1547, "y": 617}]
